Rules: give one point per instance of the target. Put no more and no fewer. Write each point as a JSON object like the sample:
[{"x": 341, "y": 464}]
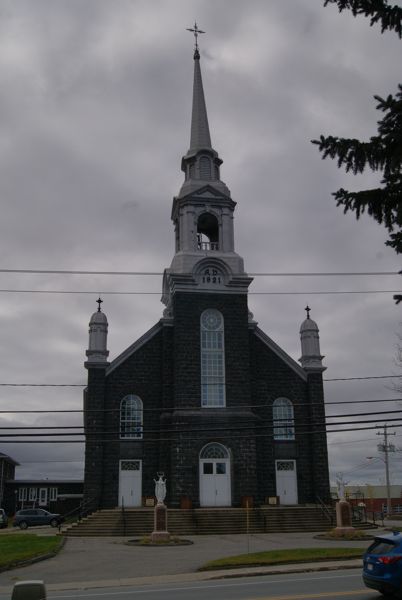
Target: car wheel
[
  {"x": 23, "y": 525},
  {"x": 54, "y": 523}
]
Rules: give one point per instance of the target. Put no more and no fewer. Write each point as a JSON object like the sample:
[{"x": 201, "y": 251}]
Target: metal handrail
[
  {"x": 324, "y": 509},
  {"x": 80, "y": 511},
  {"x": 123, "y": 515}
]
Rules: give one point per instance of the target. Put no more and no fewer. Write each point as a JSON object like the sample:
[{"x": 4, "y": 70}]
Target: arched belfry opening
[{"x": 207, "y": 232}]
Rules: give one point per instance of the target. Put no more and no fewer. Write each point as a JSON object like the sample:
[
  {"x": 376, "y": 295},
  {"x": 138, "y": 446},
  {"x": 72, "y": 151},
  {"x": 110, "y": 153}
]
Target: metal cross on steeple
[
  {"x": 99, "y": 301},
  {"x": 196, "y": 32},
  {"x": 307, "y": 309}
]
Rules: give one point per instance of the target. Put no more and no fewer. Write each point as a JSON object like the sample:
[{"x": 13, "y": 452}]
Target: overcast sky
[{"x": 95, "y": 108}]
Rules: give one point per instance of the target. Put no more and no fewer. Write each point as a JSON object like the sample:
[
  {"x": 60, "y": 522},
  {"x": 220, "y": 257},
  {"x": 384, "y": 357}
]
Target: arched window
[
  {"x": 131, "y": 417},
  {"x": 214, "y": 450},
  {"x": 208, "y": 232},
  {"x": 212, "y": 359},
  {"x": 283, "y": 419}
]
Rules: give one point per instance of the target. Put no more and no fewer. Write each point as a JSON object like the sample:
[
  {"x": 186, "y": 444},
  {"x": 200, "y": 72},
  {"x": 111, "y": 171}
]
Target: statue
[
  {"x": 160, "y": 532},
  {"x": 340, "y": 484},
  {"x": 160, "y": 488}
]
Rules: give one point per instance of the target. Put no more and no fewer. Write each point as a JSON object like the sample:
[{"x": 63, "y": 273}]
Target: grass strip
[
  {"x": 18, "y": 548},
  {"x": 281, "y": 557}
]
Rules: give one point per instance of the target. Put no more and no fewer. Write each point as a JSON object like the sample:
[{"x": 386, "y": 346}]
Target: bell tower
[{"x": 203, "y": 214}]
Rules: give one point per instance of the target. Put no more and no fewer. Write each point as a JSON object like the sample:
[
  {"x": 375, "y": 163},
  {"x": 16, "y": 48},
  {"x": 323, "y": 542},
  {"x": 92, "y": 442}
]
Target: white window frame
[
  {"x": 22, "y": 494},
  {"x": 131, "y": 418},
  {"x": 53, "y": 494},
  {"x": 283, "y": 419},
  {"x": 33, "y": 492},
  {"x": 212, "y": 339}
]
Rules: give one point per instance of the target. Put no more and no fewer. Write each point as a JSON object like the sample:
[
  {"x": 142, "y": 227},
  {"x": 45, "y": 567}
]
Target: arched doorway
[{"x": 215, "y": 484}]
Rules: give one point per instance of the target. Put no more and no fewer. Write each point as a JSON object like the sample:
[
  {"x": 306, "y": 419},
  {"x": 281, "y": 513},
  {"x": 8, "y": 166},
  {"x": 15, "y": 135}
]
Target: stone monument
[
  {"x": 343, "y": 511},
  {"x": 160, "y": 532}
]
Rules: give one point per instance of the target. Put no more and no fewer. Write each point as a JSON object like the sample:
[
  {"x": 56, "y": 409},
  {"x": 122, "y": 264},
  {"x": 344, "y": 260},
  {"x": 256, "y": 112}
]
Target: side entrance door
[
  {"x": 215, "y": 482},
  {"x": 130, "y": 483},
  {"x": 286, "y": 481},
  {"x": 42, "y": 496}
]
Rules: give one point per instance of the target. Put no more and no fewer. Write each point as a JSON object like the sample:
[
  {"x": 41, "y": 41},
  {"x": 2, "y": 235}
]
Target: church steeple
[
  {"x": 200, "y": 136},
  {"x": 202, "y": 213},
  {"x": 201, "y": 163}
]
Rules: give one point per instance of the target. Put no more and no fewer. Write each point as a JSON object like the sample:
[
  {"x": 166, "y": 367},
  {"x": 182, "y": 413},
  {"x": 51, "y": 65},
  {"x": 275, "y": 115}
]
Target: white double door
[
  {"x": 130, "y": 483},
  {"x": 215, "y": 487},
  {"x": 286, "y": 481}
]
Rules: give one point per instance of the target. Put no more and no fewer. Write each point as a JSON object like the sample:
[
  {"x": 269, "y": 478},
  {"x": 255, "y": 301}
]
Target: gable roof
[
  {"x": 280, "y": 353},
  {"x": 134, "y": 347}
]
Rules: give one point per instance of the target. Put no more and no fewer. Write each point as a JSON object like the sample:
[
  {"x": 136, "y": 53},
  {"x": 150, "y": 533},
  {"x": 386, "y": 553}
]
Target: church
[{"x": 205, "y": 396}]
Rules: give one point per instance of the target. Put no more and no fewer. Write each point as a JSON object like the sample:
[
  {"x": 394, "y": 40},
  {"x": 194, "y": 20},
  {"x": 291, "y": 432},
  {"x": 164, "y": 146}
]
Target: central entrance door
[
  {"x": 130, "y": 483},
  {"x": 215, "y": 483},
  {"x": 286, "y": 481}
]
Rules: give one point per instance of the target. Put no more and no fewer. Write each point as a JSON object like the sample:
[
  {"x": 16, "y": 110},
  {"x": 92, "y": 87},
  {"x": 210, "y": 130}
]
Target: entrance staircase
[{"x": 202, "y": 521}]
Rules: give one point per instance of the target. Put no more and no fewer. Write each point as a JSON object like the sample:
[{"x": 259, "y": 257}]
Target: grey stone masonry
[{"x": 94, "y": 405}]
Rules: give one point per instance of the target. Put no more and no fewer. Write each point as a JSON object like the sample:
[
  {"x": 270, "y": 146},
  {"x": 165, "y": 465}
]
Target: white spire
[
  {"x": 311, "y": 358},
  {"x": 97, "y": 348}
]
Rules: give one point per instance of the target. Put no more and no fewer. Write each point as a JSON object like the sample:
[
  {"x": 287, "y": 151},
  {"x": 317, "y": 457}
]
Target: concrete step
[{"x": 139, "y": 522}]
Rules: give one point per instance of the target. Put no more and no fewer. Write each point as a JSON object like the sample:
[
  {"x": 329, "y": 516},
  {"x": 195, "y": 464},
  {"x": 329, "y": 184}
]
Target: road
[{"x": 331, "y": 585}]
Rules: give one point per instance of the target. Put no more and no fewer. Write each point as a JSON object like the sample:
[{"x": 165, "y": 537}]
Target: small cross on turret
[
  {"x": 308, "y": 309},
  {"x": 99, "y": 301}
]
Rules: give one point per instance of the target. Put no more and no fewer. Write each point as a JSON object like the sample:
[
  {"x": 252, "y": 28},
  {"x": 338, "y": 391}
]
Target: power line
[
  {"x": 277, "y": 422},
  {"x": 158, "y": 273},
  {"x": 85, "y": 384},
  {"x": 192, "y": 439},
  {"x": 297, "y": 427},
  {"x": 368, "y": 377},
  {"x": 142, "y": 293},
  {"x": 193, "y": 408}
]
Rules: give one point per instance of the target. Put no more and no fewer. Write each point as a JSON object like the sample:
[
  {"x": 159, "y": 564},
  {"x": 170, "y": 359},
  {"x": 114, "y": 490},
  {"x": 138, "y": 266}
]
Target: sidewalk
[{"x": 110, "y": 562}]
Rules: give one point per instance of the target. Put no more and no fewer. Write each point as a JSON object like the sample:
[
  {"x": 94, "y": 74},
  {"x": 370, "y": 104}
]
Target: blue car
[{"x": 382, "y": 564}]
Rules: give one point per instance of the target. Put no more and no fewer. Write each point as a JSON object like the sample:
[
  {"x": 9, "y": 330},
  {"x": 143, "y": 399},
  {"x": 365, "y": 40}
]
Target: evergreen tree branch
[
  {"x": 383, "y": 204},
  {"x": 380, "y": 11}
]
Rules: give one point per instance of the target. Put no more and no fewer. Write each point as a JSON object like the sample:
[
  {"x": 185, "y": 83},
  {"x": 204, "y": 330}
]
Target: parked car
[
  {"x": 3, "y": 519},
  {"x": 28, "y": 517},
  {"x": 382, "y": 564}
]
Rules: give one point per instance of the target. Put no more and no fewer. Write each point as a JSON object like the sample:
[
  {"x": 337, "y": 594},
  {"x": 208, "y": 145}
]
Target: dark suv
[
  {"x": 28, "y": 517},
  {"x": 3, "y": 519}
]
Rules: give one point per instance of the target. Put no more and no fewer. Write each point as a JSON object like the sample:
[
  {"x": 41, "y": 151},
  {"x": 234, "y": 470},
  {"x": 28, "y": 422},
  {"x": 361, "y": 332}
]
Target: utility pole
[{"x": 385, "y": 447}]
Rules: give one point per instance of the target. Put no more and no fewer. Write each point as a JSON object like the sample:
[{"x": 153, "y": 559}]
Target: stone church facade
[{"x": 205, "y": 396}]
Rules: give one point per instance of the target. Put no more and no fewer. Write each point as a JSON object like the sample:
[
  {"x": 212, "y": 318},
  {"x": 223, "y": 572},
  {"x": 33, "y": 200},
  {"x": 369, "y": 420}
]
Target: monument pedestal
[
  {"x": 160, "y": 532},
  {"x": 343, "y": 517}
]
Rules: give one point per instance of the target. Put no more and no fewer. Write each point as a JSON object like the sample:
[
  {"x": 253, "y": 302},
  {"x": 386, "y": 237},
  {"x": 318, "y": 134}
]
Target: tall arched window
[
  {"x": 131, "y": 417},
  {"x": 283, "y": 418},
  {"x": 212, "y": 359}
]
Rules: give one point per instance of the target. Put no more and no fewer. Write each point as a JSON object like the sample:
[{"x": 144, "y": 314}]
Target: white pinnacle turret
[
  {"x": 311, "y": 358},
  {"x": 97, "y": 349}
]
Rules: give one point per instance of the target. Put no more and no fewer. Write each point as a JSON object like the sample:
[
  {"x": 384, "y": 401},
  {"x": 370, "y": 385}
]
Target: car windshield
[{"x": 381, "y": 547}]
